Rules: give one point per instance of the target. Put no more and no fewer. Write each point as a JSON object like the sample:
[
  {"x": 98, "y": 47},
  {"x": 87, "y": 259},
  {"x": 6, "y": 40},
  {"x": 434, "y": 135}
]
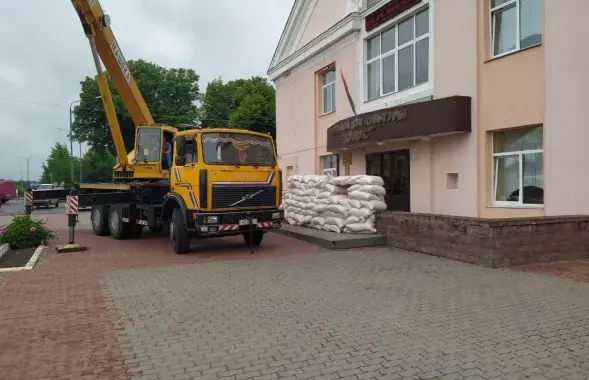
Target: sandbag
[
  {"x": 360, "y": 228},
  {"x": 375, "y": 205},
  {"x": 370, "y": 180},
  {"x": 335, "y": 221},
  {"x": 318, "y": 221},
  {"x": 334, "y": 189},
  {"x": 361, "y": 196},
  {"x": 361, "y": 213},
  {"x": 372, "y": 189}
]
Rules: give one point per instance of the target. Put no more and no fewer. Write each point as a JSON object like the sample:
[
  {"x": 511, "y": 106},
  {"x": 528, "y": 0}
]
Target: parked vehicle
[
  {"x": 48, "y": 194},
  {"x": 7, "y": 191}
]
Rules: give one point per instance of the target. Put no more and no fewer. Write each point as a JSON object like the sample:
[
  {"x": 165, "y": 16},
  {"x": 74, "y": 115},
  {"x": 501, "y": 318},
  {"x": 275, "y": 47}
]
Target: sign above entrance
[
  {"x": 433, "y": 117},
  {"x": 388, "y": 12}
]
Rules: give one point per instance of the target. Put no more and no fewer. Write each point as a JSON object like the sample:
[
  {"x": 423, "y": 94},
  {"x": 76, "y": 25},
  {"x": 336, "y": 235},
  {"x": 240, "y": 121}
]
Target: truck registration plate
[{"x": 245, "y": 222}]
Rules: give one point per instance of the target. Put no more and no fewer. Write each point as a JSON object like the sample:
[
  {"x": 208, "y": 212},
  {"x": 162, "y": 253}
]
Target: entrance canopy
[{"x": 410, "y": 121}]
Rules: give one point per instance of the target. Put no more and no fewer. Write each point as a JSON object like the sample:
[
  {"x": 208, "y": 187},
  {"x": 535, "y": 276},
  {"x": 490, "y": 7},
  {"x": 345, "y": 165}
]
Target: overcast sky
[{"x": 45, "y": 55}]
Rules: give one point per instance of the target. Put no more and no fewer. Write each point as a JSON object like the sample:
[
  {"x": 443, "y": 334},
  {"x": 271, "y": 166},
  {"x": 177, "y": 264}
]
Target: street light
[
  {"x": 72, "y": 142},
  {"x": 27, "y": 159}
]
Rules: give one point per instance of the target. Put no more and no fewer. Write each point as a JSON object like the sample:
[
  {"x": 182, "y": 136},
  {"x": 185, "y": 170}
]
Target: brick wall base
[{"x": 488, "y": 242}]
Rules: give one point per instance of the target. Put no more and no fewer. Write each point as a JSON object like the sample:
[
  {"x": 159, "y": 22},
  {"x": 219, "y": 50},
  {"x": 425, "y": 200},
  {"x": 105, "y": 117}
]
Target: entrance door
[{"x": 393, "y": 167}]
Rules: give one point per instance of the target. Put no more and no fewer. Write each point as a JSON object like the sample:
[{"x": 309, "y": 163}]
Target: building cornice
[{"x": 348, "y": 25}]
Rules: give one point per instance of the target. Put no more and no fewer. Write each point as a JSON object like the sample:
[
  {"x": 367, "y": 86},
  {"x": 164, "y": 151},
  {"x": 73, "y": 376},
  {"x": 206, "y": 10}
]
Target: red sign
[{"x": 387, "y": 12}]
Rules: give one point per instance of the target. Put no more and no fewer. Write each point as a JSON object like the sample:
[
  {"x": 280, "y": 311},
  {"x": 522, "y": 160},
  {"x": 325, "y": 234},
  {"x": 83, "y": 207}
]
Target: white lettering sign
[{"x": 121, "y": 60}]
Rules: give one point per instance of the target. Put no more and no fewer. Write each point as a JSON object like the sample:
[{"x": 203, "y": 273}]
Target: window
[
  {"x": 329, "y": 165},
  {"x": 398, "y": 58},
  {"x": 328, "y": 92},
  {"x": 515, "y": 25},
  {"x": 518, "y": 167},
  {"x": 149, "y": 145},
  {"x": 237, "y": 149},
  {"x": 190, "y": 152}
]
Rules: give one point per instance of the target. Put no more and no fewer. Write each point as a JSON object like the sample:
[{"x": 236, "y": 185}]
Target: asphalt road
[{"x": 17, "y": 206}]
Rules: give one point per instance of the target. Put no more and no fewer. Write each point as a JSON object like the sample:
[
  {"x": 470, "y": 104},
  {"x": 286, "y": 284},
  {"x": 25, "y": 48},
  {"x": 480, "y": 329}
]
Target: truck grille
[{"x": 225, "y": 196}]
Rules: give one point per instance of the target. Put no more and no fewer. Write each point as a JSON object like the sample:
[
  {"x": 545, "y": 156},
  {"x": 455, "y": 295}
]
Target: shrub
[{"x": 25, "y": 232}]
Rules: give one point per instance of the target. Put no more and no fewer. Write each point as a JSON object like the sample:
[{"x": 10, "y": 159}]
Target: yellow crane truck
[{"x": 220, "y": 182}]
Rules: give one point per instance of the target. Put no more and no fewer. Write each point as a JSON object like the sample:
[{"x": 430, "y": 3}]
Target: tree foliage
[
  {"x": 97, "y": 165},
  {"x": 170, "y": 94},
  {"x": 240, "y": 104},
  {"x": 56, "y": 168}
]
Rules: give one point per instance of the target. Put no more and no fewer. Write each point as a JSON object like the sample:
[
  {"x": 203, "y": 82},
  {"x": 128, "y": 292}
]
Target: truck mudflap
[{"x": 234, "y": 223}]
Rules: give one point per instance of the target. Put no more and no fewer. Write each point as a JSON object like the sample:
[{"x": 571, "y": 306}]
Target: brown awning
[{"x": 434, "y": 117}]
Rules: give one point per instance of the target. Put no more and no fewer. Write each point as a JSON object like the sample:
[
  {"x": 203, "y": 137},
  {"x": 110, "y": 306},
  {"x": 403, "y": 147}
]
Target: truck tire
[
  {"x": 118, "y": 229},
  {"x": 99, "y": 219},
  {"x": 257, "y": 237},
  {"x": 178, "y": 233}
]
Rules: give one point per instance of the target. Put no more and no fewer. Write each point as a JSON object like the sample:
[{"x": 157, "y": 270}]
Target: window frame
[
  {"x": 395, "y": 51},
  {"x": 322, "y": 160},
  {"x": 501, "y": 7},
  {"x": 331, "y": 84},
  {"x": 520, "y": 154}
]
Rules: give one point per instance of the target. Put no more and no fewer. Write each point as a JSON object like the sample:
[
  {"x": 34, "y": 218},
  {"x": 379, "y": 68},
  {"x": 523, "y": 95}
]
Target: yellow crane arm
[{"x": 105, "y": 48}]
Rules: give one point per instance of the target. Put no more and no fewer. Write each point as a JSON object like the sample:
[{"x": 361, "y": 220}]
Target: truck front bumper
[{"x": 234, "y": 223}]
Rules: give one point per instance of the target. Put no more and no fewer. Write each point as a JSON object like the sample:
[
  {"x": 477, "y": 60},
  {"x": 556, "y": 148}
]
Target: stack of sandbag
[{"x": 337, "y": 204}]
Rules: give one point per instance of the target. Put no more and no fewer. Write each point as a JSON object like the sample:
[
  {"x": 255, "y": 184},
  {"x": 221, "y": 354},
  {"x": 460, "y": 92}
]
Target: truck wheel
[
  {"x": 257, "y": 237},
  {"x": 118, "y": 229},
  {"x": 178, "y": 233},
  {"x": 56, "y": 204},
  {"x": 99, "y": 219}
]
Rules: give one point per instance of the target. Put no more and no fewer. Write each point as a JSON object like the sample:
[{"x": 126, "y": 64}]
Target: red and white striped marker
[
  {"x": 71, "y": 205},
  {"x": 265, "y": 224},
  {"x": 29, "y": 198},
  {"x": 229, "y": 227}
]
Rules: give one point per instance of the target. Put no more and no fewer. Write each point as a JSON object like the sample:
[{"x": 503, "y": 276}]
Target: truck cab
[{"x": 228, "y": 181}]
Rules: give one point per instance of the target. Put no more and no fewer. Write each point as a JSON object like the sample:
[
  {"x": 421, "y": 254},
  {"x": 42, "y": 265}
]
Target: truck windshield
[
  {"x": 237, "y": 149},
  {"x": 149, "y": 144}
]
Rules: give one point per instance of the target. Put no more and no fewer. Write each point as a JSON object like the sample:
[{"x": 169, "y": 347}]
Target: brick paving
[
  {"x": 575, "y": 270},
  {"x": 133, "y": 309}
]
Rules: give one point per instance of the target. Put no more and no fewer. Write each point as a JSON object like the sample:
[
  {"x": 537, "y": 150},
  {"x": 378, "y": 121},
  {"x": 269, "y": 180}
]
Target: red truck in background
[{"x": 7, "y": 191}]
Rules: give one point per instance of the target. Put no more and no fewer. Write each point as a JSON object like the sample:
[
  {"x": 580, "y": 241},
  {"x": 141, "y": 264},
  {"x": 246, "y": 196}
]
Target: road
[{"x": 17, "y": 206}]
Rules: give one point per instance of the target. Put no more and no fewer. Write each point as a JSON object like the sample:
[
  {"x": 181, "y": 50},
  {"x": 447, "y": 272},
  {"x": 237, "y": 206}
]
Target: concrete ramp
[{"x": 330, "y": 240}]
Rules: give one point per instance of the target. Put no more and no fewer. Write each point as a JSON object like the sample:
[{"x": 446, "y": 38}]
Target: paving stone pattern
[{"x": 375, "y": 314}]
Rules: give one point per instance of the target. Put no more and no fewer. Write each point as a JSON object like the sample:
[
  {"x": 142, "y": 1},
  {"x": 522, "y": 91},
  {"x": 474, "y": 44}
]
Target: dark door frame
[{"x": 393, "y": 153}]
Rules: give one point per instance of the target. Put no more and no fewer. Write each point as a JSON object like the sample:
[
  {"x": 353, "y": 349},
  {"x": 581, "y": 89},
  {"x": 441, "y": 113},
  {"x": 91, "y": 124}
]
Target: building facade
[{"x": 465, "y": 108}]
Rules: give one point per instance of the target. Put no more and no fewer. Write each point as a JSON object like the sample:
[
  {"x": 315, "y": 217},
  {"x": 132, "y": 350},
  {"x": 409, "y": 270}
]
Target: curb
[
  {"x": 4, "y": 248},
  {"x": 30, "y": 265}
]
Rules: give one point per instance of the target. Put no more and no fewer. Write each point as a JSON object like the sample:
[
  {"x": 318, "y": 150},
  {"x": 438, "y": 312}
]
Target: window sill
[
  {"x": 517, "y": 205},
  {"x": 327, "y": 113},
  {"x": 512, "y": 52}
]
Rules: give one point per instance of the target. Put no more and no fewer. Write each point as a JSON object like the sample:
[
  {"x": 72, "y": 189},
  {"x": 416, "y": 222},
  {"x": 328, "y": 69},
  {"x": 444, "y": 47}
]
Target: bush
[{"x": 25, "y": 232}]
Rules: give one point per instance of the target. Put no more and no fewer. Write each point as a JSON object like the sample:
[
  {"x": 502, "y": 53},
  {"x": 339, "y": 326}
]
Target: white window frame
[
  {"x": 499, "y": 8},
  {"x": 395, "y": 51},
  {"x": 323, "y": 87},
  {"x": 520, "y": 154},
  {"x": 333, "y": 170}
]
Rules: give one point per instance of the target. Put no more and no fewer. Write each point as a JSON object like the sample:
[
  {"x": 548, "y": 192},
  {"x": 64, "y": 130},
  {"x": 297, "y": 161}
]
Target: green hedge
[{"x": 25, "y": 232}]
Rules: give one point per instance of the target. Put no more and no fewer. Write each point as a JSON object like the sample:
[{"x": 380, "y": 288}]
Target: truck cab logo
[{"x": 246, "y": 198}]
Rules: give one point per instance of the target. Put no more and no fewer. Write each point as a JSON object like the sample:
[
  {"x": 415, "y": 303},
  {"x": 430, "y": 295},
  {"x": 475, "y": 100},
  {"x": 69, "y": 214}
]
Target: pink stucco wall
[
  {"x": 326, "y": 13},
  {"x": 566, "y": 130}
]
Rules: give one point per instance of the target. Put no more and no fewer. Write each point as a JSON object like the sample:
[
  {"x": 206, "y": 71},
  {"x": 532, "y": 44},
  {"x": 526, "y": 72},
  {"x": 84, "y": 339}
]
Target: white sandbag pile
[{"x": 337, "y": 204}]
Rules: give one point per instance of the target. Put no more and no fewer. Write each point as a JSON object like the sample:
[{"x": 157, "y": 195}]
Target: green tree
[
  {"x": 241, "y": 104},
  {"x": 170, "y": 94},
  {"x": 56, "y": 168},
  {"x": 97, "y": 165}
]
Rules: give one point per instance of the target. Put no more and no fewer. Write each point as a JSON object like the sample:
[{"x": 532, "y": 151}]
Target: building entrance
[{"x": 393, "y": 167}]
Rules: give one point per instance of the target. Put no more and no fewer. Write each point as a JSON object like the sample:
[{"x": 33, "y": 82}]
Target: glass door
[{"x": 394, "y": 168}]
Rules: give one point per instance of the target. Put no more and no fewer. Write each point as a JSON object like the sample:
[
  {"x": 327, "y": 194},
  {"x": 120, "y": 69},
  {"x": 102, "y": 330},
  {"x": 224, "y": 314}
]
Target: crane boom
[{"x": 96, "y": 25}]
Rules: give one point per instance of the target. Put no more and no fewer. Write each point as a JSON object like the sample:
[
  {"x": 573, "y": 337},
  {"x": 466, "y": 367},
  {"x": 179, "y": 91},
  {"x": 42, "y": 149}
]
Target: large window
[
  {"x": 398, "y": 58},
  {"x": 515, "y": 25},
  {"x": 329, "y": 165},
  {"x": 237, "y": 149},
  {"x": 518, "y": 167},
  {"x": 328, "y": 91},
  {"x": 149, "y": 144}
]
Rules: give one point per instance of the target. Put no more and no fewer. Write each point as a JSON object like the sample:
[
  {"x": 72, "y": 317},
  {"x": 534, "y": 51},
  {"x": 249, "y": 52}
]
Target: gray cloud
[{"x": 45, "y": 55}]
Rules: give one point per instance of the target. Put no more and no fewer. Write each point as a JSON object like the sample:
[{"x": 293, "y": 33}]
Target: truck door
[{"x": 184, "y": 174}]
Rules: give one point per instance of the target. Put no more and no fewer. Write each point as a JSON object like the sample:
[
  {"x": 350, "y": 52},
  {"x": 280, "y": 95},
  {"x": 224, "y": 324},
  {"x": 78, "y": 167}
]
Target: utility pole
[
  {"x": 28, "y": 178},
  {"x": 72, "y": 143}
]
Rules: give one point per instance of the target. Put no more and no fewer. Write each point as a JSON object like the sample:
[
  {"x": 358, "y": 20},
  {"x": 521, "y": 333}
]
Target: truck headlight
[
  {"x": 275, "y": 215},
  {"x": 214, "y": 219}
]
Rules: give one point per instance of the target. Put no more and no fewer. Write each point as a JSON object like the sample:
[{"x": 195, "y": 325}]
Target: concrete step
[{"x": 331, "y": 240}]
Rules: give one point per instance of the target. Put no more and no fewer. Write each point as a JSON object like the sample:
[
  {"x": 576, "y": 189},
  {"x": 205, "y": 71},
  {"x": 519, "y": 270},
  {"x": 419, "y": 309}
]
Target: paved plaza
[{"x": 134, "y": 310}]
